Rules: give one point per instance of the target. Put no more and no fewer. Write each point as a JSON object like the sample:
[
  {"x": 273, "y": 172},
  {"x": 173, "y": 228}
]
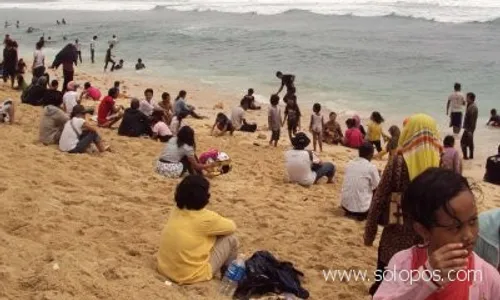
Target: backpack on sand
[{"x": 265, "y": 274}]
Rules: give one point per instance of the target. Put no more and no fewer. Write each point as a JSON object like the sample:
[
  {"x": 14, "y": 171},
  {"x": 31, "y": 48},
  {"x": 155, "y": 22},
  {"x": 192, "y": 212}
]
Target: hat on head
[
  {"x": 72, "y": 86},
  {"x": 300, "y": 141}
]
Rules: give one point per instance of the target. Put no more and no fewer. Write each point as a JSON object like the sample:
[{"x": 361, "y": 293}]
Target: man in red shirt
[{"x": 108, "y": 113}]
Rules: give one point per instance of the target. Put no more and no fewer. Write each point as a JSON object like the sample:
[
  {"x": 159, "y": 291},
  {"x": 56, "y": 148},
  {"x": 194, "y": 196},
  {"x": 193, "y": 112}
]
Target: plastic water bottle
[{"x": 233, "y": 275}]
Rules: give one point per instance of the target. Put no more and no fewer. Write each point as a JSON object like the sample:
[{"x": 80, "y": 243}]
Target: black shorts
[
  {"x": 9, "y": 72},
  {"x": 456, "y": 119},
  {"x": 275, "y": 135},
  {"x": 292, "y": 125}
]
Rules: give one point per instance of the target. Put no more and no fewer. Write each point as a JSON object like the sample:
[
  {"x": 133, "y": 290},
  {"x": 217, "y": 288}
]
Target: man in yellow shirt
[{"x": 195, "y": 243}]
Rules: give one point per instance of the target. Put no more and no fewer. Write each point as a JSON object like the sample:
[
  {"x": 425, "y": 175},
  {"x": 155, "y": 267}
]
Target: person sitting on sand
[
  {"x": 167, "y": 108},
  {"x": 494, "y": 119},
  {"x": 223, "y": 124},
  {"x": 303, "y": 166},
  {"x": 108, "y": 113},
  {"x": 450, "y": 159},
  {"x": 119, "y": 66},
  {"x": 177, "y": 123},
  {"x": 139, "y": 65},
  {"x": 420, "y": 149},
  {"x": 53, "y": 96},
  {"x": 159, "y": 128},
  {"x": 7, "y": 112},
  {"x": 178, "y": 156},
  {"x": 35, "y": 92},
  {"x": 353, "y": 137},
  {"x": 492, "y": 174},
  {"x": 238, "y": 119},
  {"x": 78, "y": 135},
  {"x": 70, "y": 98},
  {"x": 441, "y": 207},
  {"x": 488, "y": 240},
  {"x": 135, "y": 123},
  {"x": 53, "y": 116},
  {"x": 361, "y": 179},
  {"x": 21, "y": 83},
  {"x": 392, "y": 145},
  {"x": 249, "y": 101},
  {"x": 148, "y": 105},
  {"x": 332, "y": 133},
  {"x": 90, "y": 92},
  {"x": 181, "y": 106},
  {"x": 195, "y": 243}
]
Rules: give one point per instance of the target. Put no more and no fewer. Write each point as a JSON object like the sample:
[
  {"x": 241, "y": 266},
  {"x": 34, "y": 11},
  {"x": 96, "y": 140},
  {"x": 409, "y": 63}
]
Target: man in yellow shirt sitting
[{"x": 195, "y": 243}]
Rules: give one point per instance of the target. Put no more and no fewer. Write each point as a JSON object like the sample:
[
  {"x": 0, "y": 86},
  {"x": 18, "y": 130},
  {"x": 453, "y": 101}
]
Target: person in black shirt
[
  {"x": 109, "y": 59},
  {"x": 139, "y": 65},
  {"x": 494, "y": 119},
  {"x": 9, "y": 62},
  {"x": 286, "y": 80},
  {"x": 52, "y": 96},
  {"x": 249, "y": 101},
  {"x": 134, "y": 123},
  {"x": 493, "y": 169}
]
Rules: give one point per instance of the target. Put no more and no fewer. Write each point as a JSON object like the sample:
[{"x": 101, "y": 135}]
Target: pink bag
[{"x": 210, "y": 154}]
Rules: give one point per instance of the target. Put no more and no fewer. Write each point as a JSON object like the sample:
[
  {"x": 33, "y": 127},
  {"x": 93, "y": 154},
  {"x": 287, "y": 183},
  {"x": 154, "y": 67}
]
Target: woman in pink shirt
[
  {"x": 159, "y": 127},
  {"x": 90, "y": 92},
  {"x": 353, "y": 137},
  {"x": 443, "y": 210}
]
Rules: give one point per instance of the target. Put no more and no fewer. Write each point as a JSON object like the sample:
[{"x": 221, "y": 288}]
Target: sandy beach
[{"x": 88, "y": 226}]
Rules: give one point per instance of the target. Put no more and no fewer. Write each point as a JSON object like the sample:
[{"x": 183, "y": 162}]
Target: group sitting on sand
[{"x": 426, "y": 207}]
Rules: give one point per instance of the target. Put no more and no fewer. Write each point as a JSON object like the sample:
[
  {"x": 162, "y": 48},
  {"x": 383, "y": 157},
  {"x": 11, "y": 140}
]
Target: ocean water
[{"x": 397, "y": 57}]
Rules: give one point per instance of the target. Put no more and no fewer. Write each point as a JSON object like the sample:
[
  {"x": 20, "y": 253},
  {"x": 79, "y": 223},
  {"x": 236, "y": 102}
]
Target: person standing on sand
[
  {"x": 38, "y": 68},
  {"x": 92, "y": 48},
  {"x": 456, "y": 103},
  {"x": 420, "y": 149},
  {"x": 109, "y": 59},
  {"x": 287, "y": 80},
  {"x": 9, "y": 62},
  {"x": 470, "y": 122},
  {"x": 79, "y": 50}
]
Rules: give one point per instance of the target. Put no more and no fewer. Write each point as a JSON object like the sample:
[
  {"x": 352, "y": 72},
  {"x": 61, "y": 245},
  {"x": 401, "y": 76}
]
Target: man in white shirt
[
  {"x": 70, "y": 98},
  {"x": 148, "y": 105},
  {"x": 238, "y": 119},
  {"x": 361, "y": 179},
  {"x": 38, "y": 67},
  {"x": 456, "y": 103}
]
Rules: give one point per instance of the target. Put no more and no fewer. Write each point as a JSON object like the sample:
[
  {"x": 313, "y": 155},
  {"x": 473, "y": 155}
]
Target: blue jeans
[
  {"x": 326, "y": 169},
  {"x": 86, "y": 140}
]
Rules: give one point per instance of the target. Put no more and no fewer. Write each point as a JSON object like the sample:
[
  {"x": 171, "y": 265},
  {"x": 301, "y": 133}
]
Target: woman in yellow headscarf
[{"x": 419, "y": 149}]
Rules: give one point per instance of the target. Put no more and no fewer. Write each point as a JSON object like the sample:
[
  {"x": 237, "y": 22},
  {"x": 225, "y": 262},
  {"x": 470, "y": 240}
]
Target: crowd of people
[{"x": 425, "y": 206}]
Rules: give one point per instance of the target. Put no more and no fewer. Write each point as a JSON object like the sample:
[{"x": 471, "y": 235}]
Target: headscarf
[
  {"x": 420, "y": 144},
  {"x": 488, "y": 242}
]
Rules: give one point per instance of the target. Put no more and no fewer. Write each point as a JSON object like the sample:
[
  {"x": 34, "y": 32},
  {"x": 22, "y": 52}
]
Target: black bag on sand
[{"x": 265, "y": 274}]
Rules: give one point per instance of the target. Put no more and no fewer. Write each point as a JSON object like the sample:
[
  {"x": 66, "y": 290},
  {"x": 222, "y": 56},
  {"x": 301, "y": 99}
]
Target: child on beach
[
  {"x": 223, "y": 124},
  {"x": 292, "y": 114},
  {"x": 450, "y": 159},
  {"x": 90, "y": 92},
  {"x": 333, "y": 132},
  {"x": 494, "y": 119},
  {"x": 316, "y": 127},
  {"x": 167, "y": 107},
  {"x": 442, "y": 208},
  {"x": 177, "y": 123},
  {"x": 159, "y": 128},
  {"x": 392, "y": 145},
  {"x": 353, "y": 137},
  {"x": 274, "y": 120},
  {"x": 375, "y": 132}
]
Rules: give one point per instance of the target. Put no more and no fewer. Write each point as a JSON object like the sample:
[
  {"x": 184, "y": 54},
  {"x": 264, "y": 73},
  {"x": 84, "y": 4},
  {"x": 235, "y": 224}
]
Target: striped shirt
[{"x": 360, "y": 180}]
